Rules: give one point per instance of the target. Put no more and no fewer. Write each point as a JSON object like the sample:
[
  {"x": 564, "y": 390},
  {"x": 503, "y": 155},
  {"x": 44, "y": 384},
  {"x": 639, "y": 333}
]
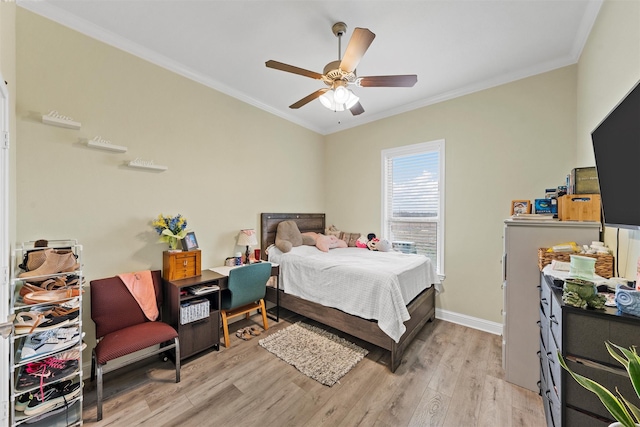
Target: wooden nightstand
[
  {"x": 180, "y": 265},
  {"x": 201, "y": 334}
]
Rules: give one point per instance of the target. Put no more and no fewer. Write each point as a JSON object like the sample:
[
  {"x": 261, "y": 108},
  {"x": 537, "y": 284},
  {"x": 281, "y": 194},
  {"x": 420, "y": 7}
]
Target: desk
[{"x": 275, "y": 272}]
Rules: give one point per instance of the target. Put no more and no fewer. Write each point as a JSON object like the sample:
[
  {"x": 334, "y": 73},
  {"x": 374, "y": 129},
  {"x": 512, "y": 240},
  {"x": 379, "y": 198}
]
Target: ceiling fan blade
[
  {"x": 407, "y": 80},
  {"x": 308, "y": 98},
  {"x": 360, "y": 41},
  {"x": 356, "y": 109},
  {"x": 291, "y": 69}
]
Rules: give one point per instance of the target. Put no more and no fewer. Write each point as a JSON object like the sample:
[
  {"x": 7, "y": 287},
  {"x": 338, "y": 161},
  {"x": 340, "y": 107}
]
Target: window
[{"x": 413, "y": 199}]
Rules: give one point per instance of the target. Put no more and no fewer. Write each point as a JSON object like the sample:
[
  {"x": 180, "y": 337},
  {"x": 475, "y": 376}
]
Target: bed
[{"x": 417, "y": 312}]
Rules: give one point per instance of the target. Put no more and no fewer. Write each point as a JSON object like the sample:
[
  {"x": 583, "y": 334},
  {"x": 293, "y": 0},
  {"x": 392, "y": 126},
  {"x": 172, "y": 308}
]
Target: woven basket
[{"x": 604, "y": 263}]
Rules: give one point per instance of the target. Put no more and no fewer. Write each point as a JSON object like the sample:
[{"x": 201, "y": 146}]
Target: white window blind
[{"x": 413, "y": 199}]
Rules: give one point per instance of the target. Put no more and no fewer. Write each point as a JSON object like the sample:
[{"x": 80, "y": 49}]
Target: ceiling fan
[{"x": 337, "y": 75}]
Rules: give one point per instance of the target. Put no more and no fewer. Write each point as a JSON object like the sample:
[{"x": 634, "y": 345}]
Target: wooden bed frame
[{"x": 421, "y": 309}]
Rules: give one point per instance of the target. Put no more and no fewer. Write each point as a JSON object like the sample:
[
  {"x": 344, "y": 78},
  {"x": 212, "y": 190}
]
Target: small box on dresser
[{"x": 181, "y": 265}]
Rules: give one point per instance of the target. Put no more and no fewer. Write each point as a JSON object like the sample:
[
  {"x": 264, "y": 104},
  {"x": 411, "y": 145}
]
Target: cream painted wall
[
  {"x": 608, "y": 68},
  {"x": 508, "y": 142},
  {"x": 8, "y": 69},
  {"x": 222, "y": 155}
]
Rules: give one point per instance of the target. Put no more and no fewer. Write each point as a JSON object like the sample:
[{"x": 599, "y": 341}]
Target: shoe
[
  {"x": 51, "y": 397},
  {"x": 254, "y": 331},
  {"x": 244, "y": 334},
  {"x": 34, "y": 258},
  {"x": 57, "y": 261},
  {"x": 29, "y": 287},
  {"x": 50, "y": 296},
  {"x": 49, "y": 342},
  {"x": 23, "y": 400},
  {"x": 28, "y": 322},
  {"x": 44, "y": 372}
]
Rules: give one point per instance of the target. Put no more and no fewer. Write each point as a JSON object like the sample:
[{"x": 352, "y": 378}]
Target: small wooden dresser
[{"x": 181, "y": 265}]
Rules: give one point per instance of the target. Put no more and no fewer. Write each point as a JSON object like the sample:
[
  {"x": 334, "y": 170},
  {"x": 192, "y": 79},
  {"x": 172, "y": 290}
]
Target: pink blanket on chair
[{"x": 140, "y": 284}]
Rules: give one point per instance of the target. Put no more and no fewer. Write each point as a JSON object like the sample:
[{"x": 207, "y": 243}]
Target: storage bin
[
  {"x": 579, "y": 207},
  {"x": 194, "y": 310},
  {"x": 604, "y": 262}
]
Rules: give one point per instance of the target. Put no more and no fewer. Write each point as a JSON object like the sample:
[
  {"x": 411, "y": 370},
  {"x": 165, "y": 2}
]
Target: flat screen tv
[{"x": 616, "y": 147}]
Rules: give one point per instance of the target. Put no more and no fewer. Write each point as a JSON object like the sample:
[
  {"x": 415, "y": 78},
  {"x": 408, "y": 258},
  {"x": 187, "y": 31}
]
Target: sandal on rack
[
  {"x": 29, "y": 287},
  {"x": 27, "y": 322},
  {"x": 50, "y": 296}
]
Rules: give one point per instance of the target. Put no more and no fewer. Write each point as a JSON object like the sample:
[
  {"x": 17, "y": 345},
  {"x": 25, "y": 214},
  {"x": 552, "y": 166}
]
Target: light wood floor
[{"x": 450, "y": 376}]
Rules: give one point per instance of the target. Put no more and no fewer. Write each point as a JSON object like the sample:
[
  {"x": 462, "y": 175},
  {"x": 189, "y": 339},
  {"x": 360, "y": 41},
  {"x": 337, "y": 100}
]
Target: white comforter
[{"x": 368, "y": 284}]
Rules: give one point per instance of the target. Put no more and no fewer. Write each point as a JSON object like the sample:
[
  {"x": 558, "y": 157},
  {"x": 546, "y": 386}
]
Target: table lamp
[{"x": 247, "y": 237}]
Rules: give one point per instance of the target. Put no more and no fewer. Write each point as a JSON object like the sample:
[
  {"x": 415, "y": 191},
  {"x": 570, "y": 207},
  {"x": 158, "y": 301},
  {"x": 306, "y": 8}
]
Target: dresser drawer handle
[
  {"x": 550, "y": 359},
  {"x": 544, "y": 301},
  {"x": 553, "y": 319}
]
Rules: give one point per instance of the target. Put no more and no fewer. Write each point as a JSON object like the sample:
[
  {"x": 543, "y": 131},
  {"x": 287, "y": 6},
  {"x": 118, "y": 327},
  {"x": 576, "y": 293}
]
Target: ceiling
[{"x": 455, "y": 47}]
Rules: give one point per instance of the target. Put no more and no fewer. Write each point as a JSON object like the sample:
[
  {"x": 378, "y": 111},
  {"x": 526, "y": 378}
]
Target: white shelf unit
[{"x": 61, "y": 366}]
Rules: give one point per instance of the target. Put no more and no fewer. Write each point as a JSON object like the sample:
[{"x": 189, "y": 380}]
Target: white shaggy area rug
[{"x": 318, "y": 354}]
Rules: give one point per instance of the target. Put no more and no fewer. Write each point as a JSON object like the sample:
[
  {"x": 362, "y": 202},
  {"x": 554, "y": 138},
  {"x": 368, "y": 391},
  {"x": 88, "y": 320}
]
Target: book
[{"x": 202, "y": 289}]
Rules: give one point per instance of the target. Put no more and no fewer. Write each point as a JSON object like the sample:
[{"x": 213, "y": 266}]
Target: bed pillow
[
  {"x": 324, "y": 243},
  {"x": 350, "y": 238}
]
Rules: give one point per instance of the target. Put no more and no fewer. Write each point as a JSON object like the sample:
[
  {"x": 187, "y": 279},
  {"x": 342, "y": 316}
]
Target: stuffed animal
[
  {"x": 374, "y": 244},
  {"x": 362, "y": 242},
  {"x": 288, "y": 235},
  {"x": 384, "y": 246}
]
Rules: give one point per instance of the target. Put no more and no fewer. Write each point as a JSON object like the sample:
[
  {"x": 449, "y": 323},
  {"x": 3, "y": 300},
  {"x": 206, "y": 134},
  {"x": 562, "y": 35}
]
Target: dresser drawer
[
  {"x": 578, "y": 419},
  {"x": 582, "y": 398},
  {"x": 181, "y": 265},
  {"x": 555, "y": 370},
  {"x": 555, "y": 321},
  {"x": 544, "y": 330}
]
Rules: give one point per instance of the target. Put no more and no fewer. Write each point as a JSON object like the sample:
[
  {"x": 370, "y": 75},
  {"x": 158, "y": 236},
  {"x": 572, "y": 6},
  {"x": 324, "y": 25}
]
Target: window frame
[{"x": 408, "y": 150}]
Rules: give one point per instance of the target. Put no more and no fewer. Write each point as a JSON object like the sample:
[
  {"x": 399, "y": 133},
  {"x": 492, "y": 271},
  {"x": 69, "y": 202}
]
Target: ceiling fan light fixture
[
  {"x": 352, "y": 100},
  {"x": 341, "y": 94},
  {"x": 339, "y": 99},
  {"x": 327, "y": 99}
]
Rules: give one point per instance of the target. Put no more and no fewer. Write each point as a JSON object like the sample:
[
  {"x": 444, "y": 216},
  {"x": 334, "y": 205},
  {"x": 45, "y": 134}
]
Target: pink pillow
[{"x": 324, "y": 243}]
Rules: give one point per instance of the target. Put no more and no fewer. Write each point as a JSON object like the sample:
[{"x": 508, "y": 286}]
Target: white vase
[{"x": 618, "y": 424}]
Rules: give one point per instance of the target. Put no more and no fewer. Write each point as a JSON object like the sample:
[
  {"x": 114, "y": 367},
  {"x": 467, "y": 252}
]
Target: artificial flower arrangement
[{"x": 171, "y": 229}]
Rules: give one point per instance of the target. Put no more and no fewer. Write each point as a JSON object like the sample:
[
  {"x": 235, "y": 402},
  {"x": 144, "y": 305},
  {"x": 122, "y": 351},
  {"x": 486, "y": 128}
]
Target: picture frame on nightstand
[{"x": 190, "y": 242}]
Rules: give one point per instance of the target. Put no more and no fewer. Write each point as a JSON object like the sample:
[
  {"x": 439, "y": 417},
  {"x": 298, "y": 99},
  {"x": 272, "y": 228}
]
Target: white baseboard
[{"x": 471, "y": 322}]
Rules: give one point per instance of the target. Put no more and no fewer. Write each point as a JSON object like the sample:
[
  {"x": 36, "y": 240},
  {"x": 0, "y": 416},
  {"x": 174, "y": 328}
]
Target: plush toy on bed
[
  {"x": 374, "y": 244},
  {"x": 288, "y": 235}
]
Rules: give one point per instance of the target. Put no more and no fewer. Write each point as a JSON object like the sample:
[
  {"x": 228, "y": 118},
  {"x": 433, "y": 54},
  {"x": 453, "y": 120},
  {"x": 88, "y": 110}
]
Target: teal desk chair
[{"x": 247, "y": 286}]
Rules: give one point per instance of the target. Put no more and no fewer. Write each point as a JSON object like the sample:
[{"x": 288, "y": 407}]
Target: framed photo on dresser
[{"x": 520, "y": 207}]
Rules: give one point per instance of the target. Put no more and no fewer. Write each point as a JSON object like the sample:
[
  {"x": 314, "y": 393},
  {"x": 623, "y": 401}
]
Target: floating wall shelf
[
  {"x": 103, "y": 144},
  {"x": 146, "y": 164},
  {"x": 56, "y": 119}
]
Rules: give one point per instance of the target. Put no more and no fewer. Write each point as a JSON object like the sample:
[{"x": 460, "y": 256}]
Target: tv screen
[{"x": 616, "y": 147}]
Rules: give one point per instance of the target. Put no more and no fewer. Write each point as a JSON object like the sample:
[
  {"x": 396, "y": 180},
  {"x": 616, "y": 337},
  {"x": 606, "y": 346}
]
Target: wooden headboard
[{"x": 269, "y": 224}]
